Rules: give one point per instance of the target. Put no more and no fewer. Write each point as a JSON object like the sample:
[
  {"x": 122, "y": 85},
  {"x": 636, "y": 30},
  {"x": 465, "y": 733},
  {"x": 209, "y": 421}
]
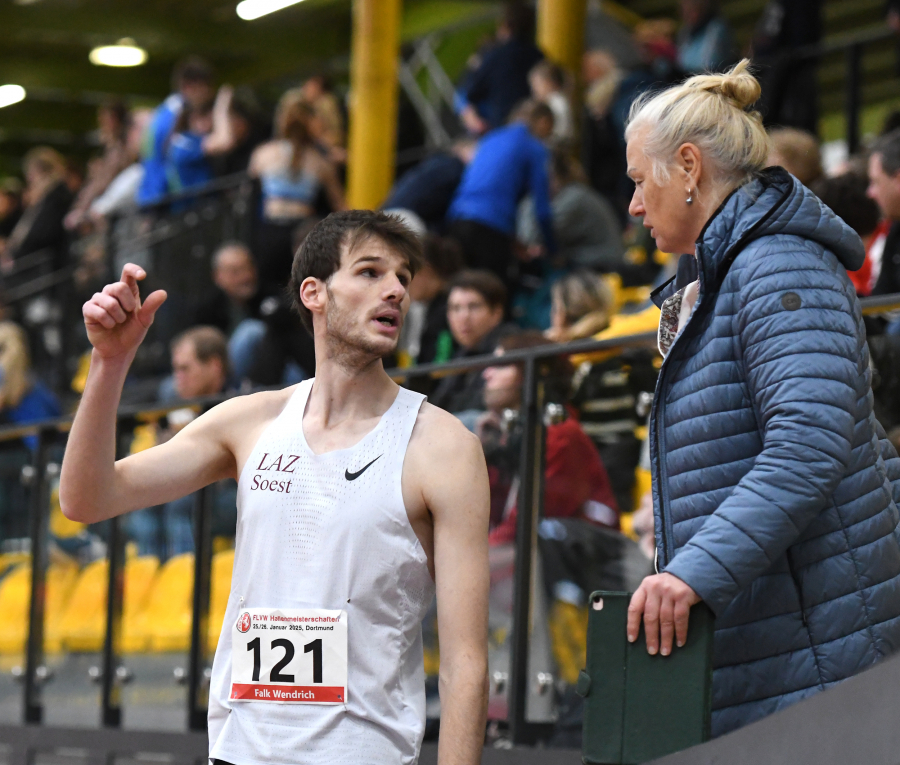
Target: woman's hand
[{"x": 664, "y": 602}]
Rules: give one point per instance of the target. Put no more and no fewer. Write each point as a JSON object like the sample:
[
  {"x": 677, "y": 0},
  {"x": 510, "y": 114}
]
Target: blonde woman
[
  {"x": 774, "y": 489},
  {"x": 47, "y": 200},
  {"x": 292, "y": 172},
  {"x": 23, "y": 399},
  {"x": 606, "y": 387}
]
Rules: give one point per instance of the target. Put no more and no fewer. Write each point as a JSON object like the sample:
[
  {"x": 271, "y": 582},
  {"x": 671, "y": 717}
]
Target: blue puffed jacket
[{"x": 775, "y": 491}]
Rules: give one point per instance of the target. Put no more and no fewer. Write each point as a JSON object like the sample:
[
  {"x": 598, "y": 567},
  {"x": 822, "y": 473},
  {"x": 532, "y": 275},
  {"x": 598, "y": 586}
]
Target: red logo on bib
[{"x": 244, "y": 622}]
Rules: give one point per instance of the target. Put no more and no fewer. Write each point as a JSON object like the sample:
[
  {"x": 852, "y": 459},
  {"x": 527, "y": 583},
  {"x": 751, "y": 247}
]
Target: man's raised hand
[{"x": 116, "y": 320}]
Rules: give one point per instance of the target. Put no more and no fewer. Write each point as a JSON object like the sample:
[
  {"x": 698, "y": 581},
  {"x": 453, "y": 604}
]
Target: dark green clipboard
[{"x": 638, "y": 707}]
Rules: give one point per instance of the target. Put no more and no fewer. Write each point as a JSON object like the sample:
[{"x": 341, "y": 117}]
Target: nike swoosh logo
[{"x": 353, "y": 476}]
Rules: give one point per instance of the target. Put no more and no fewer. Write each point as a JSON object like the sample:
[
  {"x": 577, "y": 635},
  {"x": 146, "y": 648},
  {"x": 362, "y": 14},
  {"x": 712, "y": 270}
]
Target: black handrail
[
  {"x": 852, "y": 45},
  {"x": 225, "y": 183}
]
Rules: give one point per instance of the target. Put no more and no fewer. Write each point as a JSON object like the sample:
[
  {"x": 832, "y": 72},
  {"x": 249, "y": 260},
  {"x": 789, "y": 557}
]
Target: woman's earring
[{"x": 690, "y": 199}]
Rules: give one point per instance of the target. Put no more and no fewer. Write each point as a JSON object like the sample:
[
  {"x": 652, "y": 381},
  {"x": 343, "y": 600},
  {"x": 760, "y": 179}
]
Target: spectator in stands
[
  {"x": 582, "y": 306},
  {"x": 846, "y": 196},
  {"x": 200, "y": 362},
  {"x": 426, "y": 335},
  {"x": 607, "y": 386},
  {"x": 489, "y": 94},
  {"x": 248, "y": 131},
  {"x": 233, "y": 305},
  {"x": 427, "y": 189},
  {"x": 200, "y": 132},
  {"x": 193, "y": 85},
  {"x": 10, "y": 207},
  {"x": 327, "y": 123},
  {"x": 704, "y": 42},
  {"x": 23, "y": 398},
  {"x": 576, "y": 484},
  {"x": 510, "y": 163},
  {"x": 292, "y": 173},
  {"x": 475, "y": 306},
  {"x": 789, "y": 87},
  {"x": 585, "y": 226},
  {"x": 602, "y": 143},
  {"x": 797, "y": 152},
  {"x": 200, "y": 368},
  {"x": 587, "y": 235},
  {"x": 121, "y": 194},
  {"x": 112, "y": 119},
  {"x": 47, "y": 201},
  {"x": 884, "y": 188},
  {"x": 548, "y": 82},
  {"x": 260, "y": 328},
  {"x": 611, "y": 90}
]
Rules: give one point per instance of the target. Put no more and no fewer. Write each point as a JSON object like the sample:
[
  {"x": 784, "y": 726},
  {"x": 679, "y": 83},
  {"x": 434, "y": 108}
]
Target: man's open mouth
[{"x": 387, "y": 321}]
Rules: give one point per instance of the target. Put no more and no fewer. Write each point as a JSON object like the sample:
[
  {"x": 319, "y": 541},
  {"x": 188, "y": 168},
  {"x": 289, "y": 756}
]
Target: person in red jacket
[{"x": 576, "y": 484}]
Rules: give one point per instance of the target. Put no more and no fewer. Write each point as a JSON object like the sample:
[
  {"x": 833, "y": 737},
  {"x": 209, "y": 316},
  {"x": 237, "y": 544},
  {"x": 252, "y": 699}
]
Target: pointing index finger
[{"x": 131, "y": 275}]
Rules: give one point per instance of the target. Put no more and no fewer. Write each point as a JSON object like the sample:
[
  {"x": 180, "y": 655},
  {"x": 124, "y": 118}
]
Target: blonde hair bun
[
  {"x": 710, "y": 111},
  {"x": 738, "y": 86}
]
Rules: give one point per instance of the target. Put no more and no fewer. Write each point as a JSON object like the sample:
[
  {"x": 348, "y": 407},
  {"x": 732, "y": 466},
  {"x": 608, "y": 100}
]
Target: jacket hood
[{"x": 774, "y": 203}]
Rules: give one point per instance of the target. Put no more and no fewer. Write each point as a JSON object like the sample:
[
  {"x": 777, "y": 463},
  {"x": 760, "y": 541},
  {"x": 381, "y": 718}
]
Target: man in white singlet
[{"x": 357, "y": 501}]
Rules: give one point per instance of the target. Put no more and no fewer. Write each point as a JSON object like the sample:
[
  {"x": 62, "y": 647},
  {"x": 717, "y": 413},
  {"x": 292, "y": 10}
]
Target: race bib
[{"x": 289, "y": 656}]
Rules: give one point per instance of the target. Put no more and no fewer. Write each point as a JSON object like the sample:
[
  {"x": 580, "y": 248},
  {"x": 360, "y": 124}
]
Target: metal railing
[
  {"x": 852, "y": 46},
  {"x": 51, "y": 436}
]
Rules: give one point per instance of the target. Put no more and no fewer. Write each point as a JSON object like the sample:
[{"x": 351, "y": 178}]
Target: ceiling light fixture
[
  {"x": 253, "y": 9},
  {"x": 123, "y": 53},
  {"x": 11, "y": 94}
]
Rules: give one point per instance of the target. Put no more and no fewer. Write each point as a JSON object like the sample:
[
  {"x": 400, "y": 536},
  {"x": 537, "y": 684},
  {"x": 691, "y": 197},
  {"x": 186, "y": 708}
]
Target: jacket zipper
[
  {"x": 661, "y": 469},
  {"x": 667, "y": 531}
]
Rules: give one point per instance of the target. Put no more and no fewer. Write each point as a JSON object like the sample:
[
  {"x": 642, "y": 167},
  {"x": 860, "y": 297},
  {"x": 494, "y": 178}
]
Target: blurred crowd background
[{"x": 523, "y": 214}]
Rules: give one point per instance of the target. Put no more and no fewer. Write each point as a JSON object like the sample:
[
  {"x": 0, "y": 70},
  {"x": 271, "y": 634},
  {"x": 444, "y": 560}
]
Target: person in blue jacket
[
  {"x": 200, "y": 132},
  {"x": 775, "y": 489},
  {"x": 510, "y": 163},
  {"x": 193, "y": 81}
]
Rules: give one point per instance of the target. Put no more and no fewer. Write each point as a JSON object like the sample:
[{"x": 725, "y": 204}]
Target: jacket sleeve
[
  {"x": 539, "y": 186},
  {"x": 799, "y": 341}
]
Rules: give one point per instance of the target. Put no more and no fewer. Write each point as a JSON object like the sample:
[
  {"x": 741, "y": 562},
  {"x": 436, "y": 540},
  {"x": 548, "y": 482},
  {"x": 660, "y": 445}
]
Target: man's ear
[
  {"x": 314, "y": 294},
  {"x": 497, "y": 313}
]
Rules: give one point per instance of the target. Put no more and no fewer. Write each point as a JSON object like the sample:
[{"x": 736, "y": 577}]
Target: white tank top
[{"x": 331, "y": 543}]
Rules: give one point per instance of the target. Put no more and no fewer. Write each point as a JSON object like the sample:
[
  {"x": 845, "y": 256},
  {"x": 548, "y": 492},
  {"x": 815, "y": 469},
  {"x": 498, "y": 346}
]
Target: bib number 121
[
  {"x": 275, "y": 675},
  {"x": 290, "y": 656}
]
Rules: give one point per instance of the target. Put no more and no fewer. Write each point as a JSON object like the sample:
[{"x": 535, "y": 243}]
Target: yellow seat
[
  {"x": 220, "y": 589},
  {"x": 166, "y": 621},
  {"x": 15, "y": 596},
  {"x": 140, "y": 576},
  {"x": 568, "y": 638},
  {"x": 83, "y": 626}
]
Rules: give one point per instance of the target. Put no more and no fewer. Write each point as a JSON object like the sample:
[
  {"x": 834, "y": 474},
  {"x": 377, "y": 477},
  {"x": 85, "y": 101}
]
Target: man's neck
[{"x": 349, "y": 389}]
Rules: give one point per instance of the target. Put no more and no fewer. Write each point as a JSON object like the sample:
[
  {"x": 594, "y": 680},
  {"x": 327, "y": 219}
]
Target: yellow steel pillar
[
  {"x": 372, "y": 144},
  {"x": 560, "y": 32}
]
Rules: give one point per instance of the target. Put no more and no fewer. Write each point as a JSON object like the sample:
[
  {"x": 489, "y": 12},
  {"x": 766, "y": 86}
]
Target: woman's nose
[{"x": 636, "y": 208}]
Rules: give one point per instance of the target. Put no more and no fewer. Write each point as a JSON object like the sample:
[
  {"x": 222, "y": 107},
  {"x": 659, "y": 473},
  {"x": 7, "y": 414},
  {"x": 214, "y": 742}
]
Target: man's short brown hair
[
  {"x": 207, "y": 342},
  {"x": 320, "y": 254},
  {"x": 485, "y": 283}
]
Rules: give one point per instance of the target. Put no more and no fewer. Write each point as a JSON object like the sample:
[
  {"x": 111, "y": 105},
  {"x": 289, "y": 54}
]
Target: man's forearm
[
  {"x": 463, "y": 716},
  {"x": 87, "y": 489}
]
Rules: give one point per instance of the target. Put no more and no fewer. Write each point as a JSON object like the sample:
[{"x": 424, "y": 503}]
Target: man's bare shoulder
[
  {"x": 439, "y": 437},
  {"x": 249, "y": 412}
]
